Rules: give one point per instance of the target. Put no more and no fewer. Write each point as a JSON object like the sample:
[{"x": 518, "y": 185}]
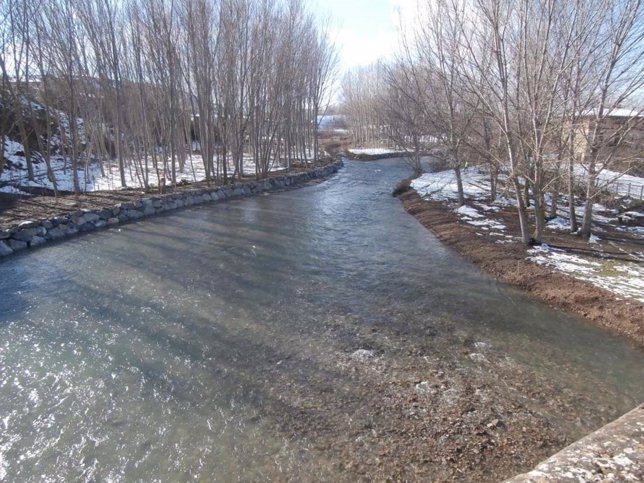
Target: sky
[{"x": 364, "y": 30}]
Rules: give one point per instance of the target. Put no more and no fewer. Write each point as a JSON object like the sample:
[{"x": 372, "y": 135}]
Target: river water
[{"x": 243, "y": 340}]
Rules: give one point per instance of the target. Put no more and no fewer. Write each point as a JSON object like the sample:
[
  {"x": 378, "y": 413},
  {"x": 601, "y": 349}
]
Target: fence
[{"x": 632, "y": 189}]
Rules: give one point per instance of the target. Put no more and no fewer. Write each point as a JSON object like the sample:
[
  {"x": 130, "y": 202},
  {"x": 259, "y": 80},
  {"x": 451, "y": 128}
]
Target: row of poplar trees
[{"x": 137, "y": 81}]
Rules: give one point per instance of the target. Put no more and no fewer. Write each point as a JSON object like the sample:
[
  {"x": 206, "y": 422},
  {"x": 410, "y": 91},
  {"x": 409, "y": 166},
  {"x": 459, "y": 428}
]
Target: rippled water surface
[{"x": 169, "y": 349}]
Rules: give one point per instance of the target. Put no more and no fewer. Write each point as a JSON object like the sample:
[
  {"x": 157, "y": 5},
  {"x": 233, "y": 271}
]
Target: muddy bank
[{"x": 508, "y": 263}]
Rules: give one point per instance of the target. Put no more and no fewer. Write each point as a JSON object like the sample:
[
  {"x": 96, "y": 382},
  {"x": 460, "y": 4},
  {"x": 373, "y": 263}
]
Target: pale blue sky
[{"x": 364, "y": 30}]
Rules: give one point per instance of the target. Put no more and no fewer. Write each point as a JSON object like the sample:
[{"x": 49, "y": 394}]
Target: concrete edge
[{"x": 614, "y": 452}]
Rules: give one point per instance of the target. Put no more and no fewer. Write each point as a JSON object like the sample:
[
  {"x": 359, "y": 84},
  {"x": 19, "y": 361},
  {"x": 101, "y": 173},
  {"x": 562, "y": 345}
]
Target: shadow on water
[{"x": 213, "y": 341}]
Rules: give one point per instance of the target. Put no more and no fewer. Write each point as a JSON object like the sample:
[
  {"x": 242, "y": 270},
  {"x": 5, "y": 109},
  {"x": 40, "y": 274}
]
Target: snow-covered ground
[
  {"x": 615, "y": 182},
  {"x": 375, "y": 151},
  {"x": 90, "y": 177},
  {"x": 442, "y": 186},
  {"x": 623, "y": 278},
  {"x": 193, "y": 171}
]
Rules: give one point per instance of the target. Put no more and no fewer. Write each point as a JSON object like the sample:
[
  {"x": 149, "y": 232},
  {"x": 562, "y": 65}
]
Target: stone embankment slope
[{"x": 34, "y": 233}]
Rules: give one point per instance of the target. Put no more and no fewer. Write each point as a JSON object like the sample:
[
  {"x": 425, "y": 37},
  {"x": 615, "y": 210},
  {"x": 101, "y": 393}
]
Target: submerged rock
[
  {"x": 362, "y": 355},
  {"x": 17, "y": 245}
]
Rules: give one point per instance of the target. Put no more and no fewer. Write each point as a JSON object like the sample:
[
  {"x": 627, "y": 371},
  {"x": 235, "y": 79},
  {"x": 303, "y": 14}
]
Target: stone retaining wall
[{"x": 30, "y": 234}]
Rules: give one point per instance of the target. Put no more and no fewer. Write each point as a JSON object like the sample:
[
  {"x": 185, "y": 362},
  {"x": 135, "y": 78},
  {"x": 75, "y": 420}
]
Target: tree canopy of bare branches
[
  {"x": 145, "y": 83},
  {"x": 541, "y": 90}
]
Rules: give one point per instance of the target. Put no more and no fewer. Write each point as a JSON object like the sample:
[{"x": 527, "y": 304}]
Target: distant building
[{"x": 621, "y": 133}]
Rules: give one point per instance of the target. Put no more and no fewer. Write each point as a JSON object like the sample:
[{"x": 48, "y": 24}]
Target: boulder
[
  {"x": 17, "y": 245},
  {"x": 56, "y": 232},
  {"x": 134, "y": 214},
  {"x": 5, "y": 250},
  {"x": 89, "y": 226},
  {"x": 123, "y": 206},
  {"x": 36, "y": 241},
  {"x": 25, "y": 234},
  {"x": 88, "y": 217},
  {"x": 105, "y": 213}
]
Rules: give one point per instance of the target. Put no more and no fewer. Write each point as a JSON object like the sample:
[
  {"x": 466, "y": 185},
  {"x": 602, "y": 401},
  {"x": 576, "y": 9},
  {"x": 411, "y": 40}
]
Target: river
[{"x": 314, "y": 334}]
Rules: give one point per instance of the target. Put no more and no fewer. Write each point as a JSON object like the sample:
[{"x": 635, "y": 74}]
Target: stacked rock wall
[{"x": 35, "y": 233}]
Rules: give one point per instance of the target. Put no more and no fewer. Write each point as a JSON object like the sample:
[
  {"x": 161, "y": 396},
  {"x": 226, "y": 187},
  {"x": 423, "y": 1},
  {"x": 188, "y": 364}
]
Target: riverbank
[
  {"x": 508, "y": 262},
  {"x": 373, "y": 154},
  {"x": 31, "y": 222}
]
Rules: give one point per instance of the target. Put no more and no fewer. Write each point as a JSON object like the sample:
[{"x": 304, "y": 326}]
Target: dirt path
[{"x": 508, "y": 263}]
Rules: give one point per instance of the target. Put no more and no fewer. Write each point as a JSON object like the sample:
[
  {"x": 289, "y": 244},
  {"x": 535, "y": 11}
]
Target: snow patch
[
  {"x": 487, "y": 224},
  {"x": 485, "y": 207},
  {"x": 375, "y": 151},
  {"x": 90, "y": 177},
  {"x": 468, "y": 211},
  {"x": 13, "y": 190},
  {"x": 472, "y": 217},
  {"x": 626, "y": 280},
  {"x": 559, "y": 224},
  {"x": 614, "y": 181},
  {"x": 442, "y": 185}
]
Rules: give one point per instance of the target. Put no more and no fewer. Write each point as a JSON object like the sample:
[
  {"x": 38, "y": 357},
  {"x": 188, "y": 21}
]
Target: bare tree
[{"x": 619, "y": 69}]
